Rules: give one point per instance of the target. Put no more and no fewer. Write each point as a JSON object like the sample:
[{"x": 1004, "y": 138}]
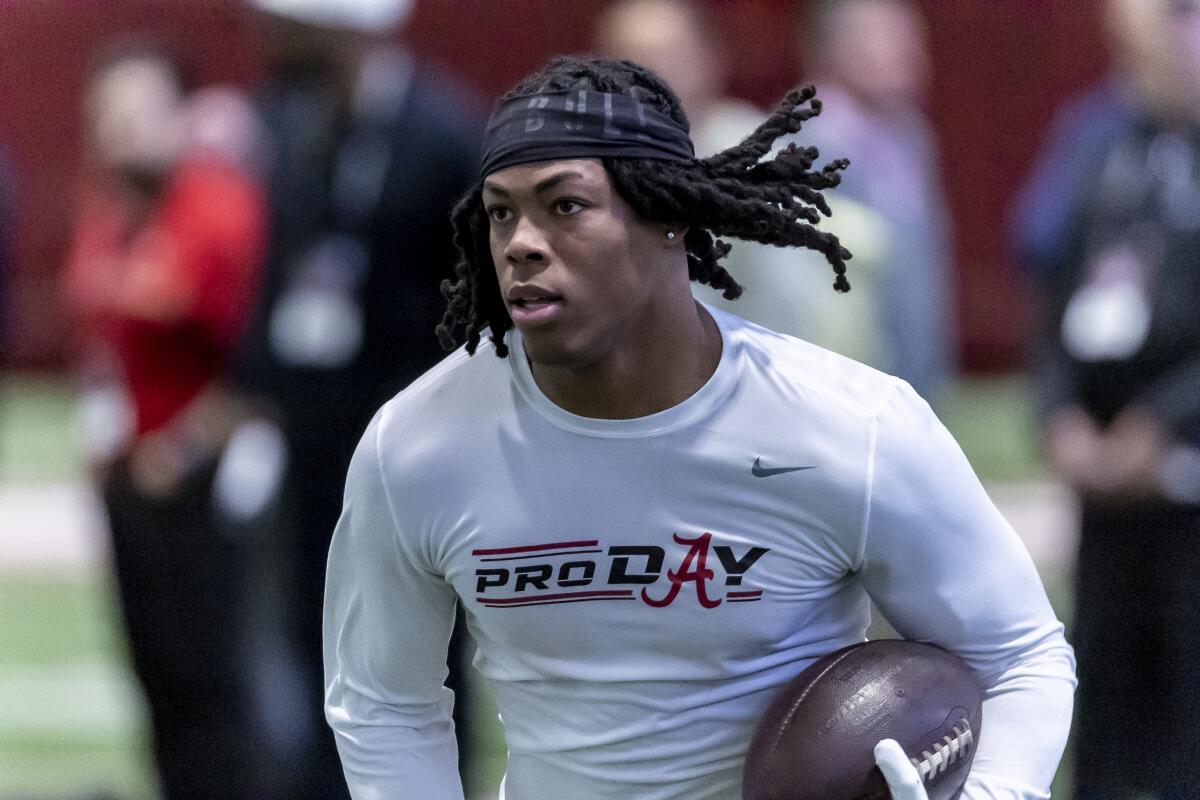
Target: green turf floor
[
  {"x": 70, "y": 717},
  {"x": 37, "y": 428}
]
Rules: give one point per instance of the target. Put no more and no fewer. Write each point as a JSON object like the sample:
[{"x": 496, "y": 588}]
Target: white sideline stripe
[
  {"x": 57, "y": 526},
  {"x": 91, "y": 698}
]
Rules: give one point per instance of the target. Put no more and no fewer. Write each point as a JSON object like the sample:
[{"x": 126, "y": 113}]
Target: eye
[
  {"x": 498, "y": 213},
  {"x": 567, "y": 207}
]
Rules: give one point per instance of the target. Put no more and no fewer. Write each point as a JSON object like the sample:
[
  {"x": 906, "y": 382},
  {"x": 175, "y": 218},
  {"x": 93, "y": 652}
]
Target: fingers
[{"x": 902, "y": 777}]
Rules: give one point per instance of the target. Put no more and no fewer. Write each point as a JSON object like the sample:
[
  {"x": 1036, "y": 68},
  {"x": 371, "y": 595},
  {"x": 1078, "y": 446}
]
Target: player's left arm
[{"x": 945, "y": 567}]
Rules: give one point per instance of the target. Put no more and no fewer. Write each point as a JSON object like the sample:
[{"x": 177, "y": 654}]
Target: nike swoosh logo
[{"x": 760, "y": 471}]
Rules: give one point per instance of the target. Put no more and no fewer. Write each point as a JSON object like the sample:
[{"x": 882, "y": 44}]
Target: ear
[{"x": 673, "y": 235}]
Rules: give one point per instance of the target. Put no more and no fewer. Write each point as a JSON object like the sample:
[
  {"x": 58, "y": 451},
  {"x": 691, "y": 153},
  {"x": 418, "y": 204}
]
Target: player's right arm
[{"x": 388, "y": 619}]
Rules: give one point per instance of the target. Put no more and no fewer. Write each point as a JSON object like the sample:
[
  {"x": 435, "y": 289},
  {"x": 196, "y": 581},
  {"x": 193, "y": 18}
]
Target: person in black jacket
[
  {"x": 1118, "y": 372},
  {"x": 372, "y": 148}
]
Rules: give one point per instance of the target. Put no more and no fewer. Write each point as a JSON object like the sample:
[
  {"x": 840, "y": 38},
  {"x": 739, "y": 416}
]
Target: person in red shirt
[
  {"x": 167, "y": 288},
  {"x": 160, "y": 281}
]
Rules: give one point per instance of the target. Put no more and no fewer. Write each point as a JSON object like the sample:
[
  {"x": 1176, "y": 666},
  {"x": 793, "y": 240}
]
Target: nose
[{"x": 527, "y": 244}]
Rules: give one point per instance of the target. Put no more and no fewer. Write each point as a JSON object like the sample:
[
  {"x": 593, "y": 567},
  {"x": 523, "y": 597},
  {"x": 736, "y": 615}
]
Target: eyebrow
[{"x": 542, "y": 185}]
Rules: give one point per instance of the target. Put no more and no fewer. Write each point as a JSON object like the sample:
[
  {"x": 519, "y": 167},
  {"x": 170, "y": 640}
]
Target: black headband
[{"x": 579, "y": 123}]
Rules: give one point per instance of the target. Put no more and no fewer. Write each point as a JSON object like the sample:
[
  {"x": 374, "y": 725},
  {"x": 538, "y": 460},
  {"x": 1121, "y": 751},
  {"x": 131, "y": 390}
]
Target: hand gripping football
[{"x": 816, "y": 740}]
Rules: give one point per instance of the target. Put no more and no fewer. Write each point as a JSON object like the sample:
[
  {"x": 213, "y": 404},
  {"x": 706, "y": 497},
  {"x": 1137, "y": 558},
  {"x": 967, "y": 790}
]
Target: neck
[{"x": 658, "y": 370}]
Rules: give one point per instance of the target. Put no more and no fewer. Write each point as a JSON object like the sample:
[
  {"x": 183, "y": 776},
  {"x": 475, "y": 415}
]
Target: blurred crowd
[
  {"x": 252, "y": 276},
  {"x": 249, "y": 282},
  {"x": 1109, "y": 226}
]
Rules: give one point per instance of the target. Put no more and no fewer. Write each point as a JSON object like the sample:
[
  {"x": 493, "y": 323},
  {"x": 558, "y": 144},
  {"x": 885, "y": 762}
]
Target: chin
[
  {"x": 550, "y": 354},
  {"x": 550, "y": 350}
]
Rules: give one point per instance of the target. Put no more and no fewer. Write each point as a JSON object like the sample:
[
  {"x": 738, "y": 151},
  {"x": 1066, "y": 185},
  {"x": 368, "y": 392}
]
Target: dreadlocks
[{"x": 737, "y": 193}]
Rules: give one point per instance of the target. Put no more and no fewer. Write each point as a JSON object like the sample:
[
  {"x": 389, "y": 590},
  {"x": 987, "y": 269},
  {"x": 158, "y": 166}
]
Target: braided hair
[{"x": 738, "y": 193}]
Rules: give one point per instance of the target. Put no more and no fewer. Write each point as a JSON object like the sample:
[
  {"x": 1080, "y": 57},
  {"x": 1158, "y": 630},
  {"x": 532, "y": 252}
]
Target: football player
[{"x": 654, "y": 512}]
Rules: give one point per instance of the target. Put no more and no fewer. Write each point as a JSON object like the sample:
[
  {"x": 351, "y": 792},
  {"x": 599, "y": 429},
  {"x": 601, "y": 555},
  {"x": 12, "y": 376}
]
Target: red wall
[
  {"x": 1000, "y": 70},
  {"x": 1000, "y": 66},
  {"x": 46, "y": 49}
]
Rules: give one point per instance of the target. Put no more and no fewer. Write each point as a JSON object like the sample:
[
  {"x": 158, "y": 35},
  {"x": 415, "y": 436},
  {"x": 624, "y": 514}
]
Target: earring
[{"x": 670, "y": 234}]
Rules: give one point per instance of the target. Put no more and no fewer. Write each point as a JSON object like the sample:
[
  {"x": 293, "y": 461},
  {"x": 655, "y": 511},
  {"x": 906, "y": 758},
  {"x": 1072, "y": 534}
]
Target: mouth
[{"x": 528, "y": 305}]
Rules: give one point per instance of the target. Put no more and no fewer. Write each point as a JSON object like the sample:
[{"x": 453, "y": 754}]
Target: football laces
[{"x": 942, "y": 755}]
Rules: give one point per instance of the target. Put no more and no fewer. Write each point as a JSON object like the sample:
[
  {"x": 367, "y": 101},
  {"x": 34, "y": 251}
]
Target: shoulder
[
  {"x": 431, "y": 425},
  {"x": 724, "y": 124},
  {"x": 818, "y": 378},
  {"x": 446, "y": 108},
  {"x": 841, "y": 117},
  {"x": 1101, "y": 104},
  {"x": 1083, "y": 129},
  {"x": 447, "y": 95}
]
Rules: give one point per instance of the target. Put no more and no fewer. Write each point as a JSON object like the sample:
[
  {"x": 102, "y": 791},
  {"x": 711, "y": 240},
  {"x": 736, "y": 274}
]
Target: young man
[{"x": 655, "y": 513}]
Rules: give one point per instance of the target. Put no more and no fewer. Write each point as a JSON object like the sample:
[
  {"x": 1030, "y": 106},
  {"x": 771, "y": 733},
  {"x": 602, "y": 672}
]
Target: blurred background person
[
  {"x": 1110, "y": 225},
  {"x": 371, "y": 148},
  {"x": 870, "y": 62},
  {"x": 679, "y": 40},
  {"x": 7, "y": 189},
  {"x": 168, "y": 246}
]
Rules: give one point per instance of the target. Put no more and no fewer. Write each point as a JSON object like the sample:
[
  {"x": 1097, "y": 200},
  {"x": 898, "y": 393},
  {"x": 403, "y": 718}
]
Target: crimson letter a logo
[{"x": 697, "y": 553}]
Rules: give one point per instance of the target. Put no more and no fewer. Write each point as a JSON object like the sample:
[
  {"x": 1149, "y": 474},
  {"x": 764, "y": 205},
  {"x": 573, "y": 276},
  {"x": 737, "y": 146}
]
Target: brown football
[{"x": 816, "y": 740}]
